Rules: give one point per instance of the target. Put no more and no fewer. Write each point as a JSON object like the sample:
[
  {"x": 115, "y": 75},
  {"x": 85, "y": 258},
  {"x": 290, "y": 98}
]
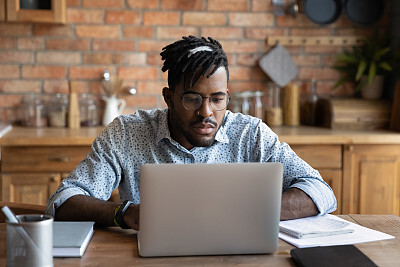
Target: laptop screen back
[{"x": 209, "y": 209}]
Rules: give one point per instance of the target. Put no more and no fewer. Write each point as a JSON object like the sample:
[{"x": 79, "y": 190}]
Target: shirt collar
[{"x": 163, "y": 130}]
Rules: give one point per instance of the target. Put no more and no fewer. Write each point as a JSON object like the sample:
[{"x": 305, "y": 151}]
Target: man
[{"x": 196, "y": 128}]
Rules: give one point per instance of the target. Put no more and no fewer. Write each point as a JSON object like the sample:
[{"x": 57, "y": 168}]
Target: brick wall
[{"x": 126, "y": 37}]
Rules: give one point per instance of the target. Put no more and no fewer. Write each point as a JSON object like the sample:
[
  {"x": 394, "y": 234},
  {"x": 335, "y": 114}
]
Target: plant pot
[{"x": 373, "y": 90}]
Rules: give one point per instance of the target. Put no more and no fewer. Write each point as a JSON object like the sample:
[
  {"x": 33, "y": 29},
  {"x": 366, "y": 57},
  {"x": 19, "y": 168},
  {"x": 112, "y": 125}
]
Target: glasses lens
[{"x": 194, "y": 101}]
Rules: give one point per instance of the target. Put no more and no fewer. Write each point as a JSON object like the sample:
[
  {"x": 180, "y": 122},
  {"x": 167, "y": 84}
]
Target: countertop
[{"x": 26, "y": 136}]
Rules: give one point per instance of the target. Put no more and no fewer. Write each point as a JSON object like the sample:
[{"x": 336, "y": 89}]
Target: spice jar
[
  {"x": 58, "y": 111},
  {"x": 273, "y": 114},
  {"x": 88, "y": 110},
  {"x": 34, "y": 111}
]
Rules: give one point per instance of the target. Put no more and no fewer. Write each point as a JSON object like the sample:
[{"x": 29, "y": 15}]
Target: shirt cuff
[{"x": 59, "y": 198}]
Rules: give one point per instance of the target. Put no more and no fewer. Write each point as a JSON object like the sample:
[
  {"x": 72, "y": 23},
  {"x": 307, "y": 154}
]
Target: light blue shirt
[{"x": 132, "y": 140}]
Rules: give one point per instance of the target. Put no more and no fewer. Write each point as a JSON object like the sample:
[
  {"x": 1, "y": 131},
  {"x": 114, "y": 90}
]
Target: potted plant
[{"x": 366, "y": 65}]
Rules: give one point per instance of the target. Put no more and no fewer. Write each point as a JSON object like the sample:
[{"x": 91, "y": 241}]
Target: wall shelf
[{"x": 315, "y": 40}]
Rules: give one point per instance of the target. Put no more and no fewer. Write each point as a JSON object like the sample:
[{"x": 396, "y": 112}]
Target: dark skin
[{"x": 190, "y": 128}]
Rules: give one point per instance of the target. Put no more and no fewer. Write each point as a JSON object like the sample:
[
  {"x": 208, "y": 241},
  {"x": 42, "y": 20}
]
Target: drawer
[
  {"x": 320, "y": 156},
  {"x": 39, "y": 159}
]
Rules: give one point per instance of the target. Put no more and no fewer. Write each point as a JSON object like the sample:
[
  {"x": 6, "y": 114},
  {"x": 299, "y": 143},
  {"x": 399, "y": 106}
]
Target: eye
[
  {"x": 217, "y": 99},
  {"x": 192, "y": 98}
]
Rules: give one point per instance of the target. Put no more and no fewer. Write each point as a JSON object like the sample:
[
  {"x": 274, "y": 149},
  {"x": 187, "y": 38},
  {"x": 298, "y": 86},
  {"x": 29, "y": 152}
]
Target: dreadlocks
[{"x": 192, "y": 58}]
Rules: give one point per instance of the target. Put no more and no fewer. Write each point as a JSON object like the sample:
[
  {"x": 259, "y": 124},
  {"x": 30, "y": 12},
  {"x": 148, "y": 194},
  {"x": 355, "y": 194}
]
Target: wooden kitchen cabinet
[
  {"x": 371, "y": 179},
  {"x": 54, "y": 15},
  {"x": 2, "y": 10},
  {"x": 31, "y": 174}
]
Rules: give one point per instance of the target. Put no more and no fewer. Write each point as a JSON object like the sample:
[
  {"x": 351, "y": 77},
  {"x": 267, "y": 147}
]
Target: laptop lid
[{"x": 209, "y": 209}]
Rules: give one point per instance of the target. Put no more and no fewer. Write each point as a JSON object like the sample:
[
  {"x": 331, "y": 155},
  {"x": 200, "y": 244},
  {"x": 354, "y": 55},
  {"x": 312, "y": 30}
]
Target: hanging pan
[
  {"x": 364, "y": 12},
  {"x": 323, "y": 12}
]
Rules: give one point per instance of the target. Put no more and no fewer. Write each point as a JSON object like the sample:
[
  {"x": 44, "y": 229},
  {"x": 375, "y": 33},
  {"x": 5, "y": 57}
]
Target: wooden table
[{"x": 117, "y": 247}]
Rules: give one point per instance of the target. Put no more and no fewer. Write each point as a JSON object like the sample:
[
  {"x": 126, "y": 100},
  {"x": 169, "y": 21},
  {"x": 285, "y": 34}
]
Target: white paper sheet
[{"x": 361, "y": 234}]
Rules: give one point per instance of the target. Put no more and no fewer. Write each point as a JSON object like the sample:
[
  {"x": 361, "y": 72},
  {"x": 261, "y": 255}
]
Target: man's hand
[
  {"x": 131, "y": 216},
  {"x": 297, "y": 204}
]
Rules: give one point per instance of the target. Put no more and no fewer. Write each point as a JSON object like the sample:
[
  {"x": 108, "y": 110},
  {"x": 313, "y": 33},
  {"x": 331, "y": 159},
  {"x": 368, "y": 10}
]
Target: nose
[{"x": 205, "y": 110}]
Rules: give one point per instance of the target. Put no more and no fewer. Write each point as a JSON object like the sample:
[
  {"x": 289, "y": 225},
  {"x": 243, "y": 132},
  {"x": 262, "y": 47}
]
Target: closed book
[
  {"x": 70, "y": 239},
  {"x": 314, "y": 226}
]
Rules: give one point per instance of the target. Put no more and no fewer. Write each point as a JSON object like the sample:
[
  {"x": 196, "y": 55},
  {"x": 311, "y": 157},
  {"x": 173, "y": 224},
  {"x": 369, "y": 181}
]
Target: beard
[{"x": 178, "y": 123}]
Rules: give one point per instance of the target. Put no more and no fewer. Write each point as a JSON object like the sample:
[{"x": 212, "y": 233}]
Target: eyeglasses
[{"x": 194, "y": 101}]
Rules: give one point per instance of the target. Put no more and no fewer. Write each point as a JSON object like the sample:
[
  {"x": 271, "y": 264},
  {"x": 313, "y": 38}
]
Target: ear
[{"x": 167, "y": 94}]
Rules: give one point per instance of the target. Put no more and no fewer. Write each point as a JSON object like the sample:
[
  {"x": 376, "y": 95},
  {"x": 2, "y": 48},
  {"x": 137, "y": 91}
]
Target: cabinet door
[
  {"x": 334, "y": 179},
  {"x": 29, "y": 188},
  {"x": 371, "y": 179},
  {"x": 54, "y": 15},
  {"x": 2, "y": 10}
]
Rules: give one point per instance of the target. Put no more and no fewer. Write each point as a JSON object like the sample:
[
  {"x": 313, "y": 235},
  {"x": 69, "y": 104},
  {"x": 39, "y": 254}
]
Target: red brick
[
  {"x": 113, "y": 45},
  {"x": 239, "y": 74},
  {"x": 56, "y": 86},
  {"x": 326, "y": 49},
  {"x": 228, "y": 5},
  {"x": 140, "y": 101},
  {"x": 98, "y": 31},
  {"x": 12, "y": 103},
  {"x": 81, "y": 87},
  {"x": 16, "y": 57},
  {"x": 240, "y": 46},
  {"x": 182, "y": 4},
  {"x": 30, "y": 43},
  {"x": 67, "y": 44},
  {"x": 12, "y": 29},
  {"x": 140, "y": 73},
  {"x": 114, "y": 58},
  {"x": 84, "y": 15},
  {"x": 123, "y": 17},
  {"x": 203, "y": 18},
  {"x": 353, "y": 31},
  {"x": 257, "y": 74},
  {"x": 58, "y": 57},
  {"x": 151, "y": 88},
  {"x": 143, "y": 3},
  {"x": 94, "y": 87},
  {"x": 7, "y": 43},
  {"x": 72, "y": 3},
  {"x": 9, "y": 71},
  {"x": 85, "y": 72},
  {"x": 175, "y": 32},
  {"x": 262, "y": 33},
  {"x": 138, "y": 32},
  {"x": 300, "y": 21},
  {"x": 320, "y": 73},
  {"x": 19, "y": 86},
  {"x": 222, "y": 32},
  {"x": 326, "y": 32},
  {"x": 161, "y": 18},
  {"x": 154, "y": 59},
  {"x": 306, "y": 60},
  {"x": 328, "y": 60},
  {"x": 251, "y": 19},
  {"x": 40, "y": 71},
  {"x": 262, "y": 5},
  {"x": 248, "y": 59},
  {"x": 52, "y": 30},
  {"x": 152, "y": 46},
  {"x": 246, "y": 86},
  {"x": 103, "y": 3}
]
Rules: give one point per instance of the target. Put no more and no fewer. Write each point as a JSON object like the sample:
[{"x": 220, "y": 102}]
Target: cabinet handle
[
  {"x": 53, "y": 178},
  {"x": 350, "y": 148},
  {"x": 59, "y": 159}
]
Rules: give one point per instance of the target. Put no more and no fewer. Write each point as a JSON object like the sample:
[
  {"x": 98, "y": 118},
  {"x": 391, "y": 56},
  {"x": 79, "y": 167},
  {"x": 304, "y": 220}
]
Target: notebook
[
  {"x": 70, "y": 239},
  {"x": 209, "y": 209}
]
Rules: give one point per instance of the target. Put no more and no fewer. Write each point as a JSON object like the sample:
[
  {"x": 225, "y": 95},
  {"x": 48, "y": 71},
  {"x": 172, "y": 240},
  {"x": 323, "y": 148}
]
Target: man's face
[{"x": 197, "y": 127}]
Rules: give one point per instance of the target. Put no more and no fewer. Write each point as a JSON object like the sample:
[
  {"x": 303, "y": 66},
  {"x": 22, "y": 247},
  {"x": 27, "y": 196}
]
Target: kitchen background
[{"x": 126, "y": 37}]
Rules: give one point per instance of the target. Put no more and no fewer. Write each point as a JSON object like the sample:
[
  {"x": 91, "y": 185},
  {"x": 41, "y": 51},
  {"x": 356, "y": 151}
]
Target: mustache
[{"x": 206, "y": 120}]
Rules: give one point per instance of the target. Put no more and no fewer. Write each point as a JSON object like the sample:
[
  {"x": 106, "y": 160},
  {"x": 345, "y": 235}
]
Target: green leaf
[
  {"x": 386, "y": 66},
  {"x": 361, "y": 69},
  {"x": 372, "y": 72}
]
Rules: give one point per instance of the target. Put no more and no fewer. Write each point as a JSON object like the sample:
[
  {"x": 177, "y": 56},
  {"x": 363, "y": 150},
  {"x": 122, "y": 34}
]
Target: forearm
[
  {"x": 86, "y": 208},
  {"x": 297, "y": 204}
]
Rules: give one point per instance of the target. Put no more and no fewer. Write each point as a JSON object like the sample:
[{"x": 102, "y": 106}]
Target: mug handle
[{"x": 121, "y": 103}]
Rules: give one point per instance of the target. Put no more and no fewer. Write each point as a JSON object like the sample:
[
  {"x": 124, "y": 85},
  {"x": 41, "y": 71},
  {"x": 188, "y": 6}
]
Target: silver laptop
[{"x": 209, "y": 209}]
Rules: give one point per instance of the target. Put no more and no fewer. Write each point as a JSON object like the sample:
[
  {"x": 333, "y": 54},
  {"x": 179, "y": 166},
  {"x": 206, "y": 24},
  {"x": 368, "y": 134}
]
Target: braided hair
[{"x": 191, "y": 58}]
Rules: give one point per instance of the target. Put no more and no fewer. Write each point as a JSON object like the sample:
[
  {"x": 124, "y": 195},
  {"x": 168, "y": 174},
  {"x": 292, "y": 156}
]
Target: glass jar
[
  {"x": 258, "y": 105},
  {"x": 308, "y": 108},
  {"x": 58, "y": 111},
  {"x": 88, "y": 110},
  {"x": 273, "y": 114},
  {"x": 34, "y": 111}
]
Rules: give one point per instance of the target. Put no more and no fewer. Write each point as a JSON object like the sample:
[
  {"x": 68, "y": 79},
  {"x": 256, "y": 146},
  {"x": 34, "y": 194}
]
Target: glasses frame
[{"x": 228, "y": 97}]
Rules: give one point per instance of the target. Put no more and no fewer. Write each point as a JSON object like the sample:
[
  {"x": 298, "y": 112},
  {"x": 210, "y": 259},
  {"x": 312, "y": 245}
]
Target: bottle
[
  {"x": 273, "y": 114},
  {"x": 246, "y": 103},
  {"x": 308, "y": 109},
  {"x": 58, "y": 111}
]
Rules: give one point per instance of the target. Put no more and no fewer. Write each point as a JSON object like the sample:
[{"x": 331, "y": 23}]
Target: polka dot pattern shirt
[{"x": 132, "y": 140}]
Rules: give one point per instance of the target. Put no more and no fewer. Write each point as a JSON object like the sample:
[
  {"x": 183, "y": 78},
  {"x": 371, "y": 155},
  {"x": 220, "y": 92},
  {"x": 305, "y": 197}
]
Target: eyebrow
[{"x": 196, "y": 93}]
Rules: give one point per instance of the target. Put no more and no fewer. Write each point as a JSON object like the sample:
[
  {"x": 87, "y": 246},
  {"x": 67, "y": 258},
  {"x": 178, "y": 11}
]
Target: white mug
[{"x": 114, "y": 108}]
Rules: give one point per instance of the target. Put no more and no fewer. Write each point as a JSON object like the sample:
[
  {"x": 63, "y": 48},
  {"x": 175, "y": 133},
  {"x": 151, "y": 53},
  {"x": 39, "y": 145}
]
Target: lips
[{"x": 204, "y": 128}]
